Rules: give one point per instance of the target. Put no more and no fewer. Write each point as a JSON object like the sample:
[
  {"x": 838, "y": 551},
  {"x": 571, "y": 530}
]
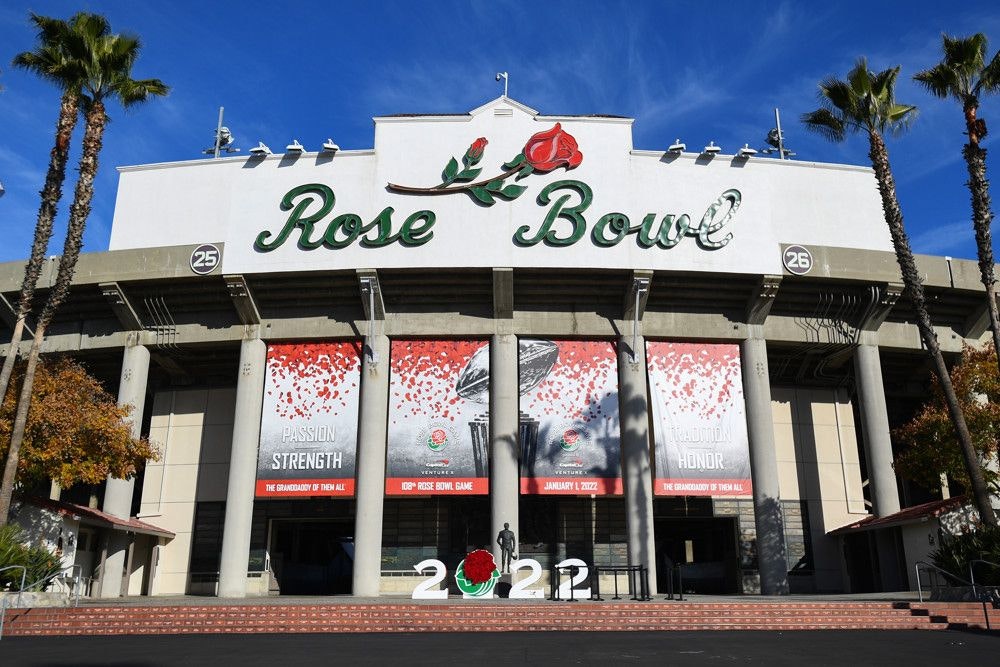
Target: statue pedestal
[{"x": 502, "y": 589}]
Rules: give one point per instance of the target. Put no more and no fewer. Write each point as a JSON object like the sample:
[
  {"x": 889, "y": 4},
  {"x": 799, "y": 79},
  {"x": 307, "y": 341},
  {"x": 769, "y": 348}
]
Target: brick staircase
[{"x": 487, "y": 617}]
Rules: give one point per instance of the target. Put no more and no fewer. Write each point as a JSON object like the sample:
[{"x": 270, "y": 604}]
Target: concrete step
[{"x": 486, "y": 617}]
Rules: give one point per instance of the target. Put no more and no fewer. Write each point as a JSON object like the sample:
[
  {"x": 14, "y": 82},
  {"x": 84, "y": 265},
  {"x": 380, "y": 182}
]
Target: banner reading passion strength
[
  {"x": 570, "y": 436},
  {"x": 438, "y": 432},
  {"x": 699, "y": 419},
  {"x": 309, "y": 421}
]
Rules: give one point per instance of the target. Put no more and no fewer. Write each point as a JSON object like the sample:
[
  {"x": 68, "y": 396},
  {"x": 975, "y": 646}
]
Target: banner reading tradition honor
[
  {"x": 309, "y": 421},
  {"x": 699, "y": 419},
  {"x": 570, "y": 436},
  {"x": 439, "y": 432}
]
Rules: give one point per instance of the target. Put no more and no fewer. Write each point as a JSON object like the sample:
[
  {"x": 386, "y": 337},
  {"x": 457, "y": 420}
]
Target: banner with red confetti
[
  {"x": 699, "y": 419},
  {"x": 570, "y": 435},
  {"x": 439, "y": 430},
  {"x": 309, "y": 421}
]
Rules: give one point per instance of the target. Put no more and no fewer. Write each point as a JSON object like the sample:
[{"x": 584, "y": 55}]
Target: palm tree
[
  {"x": 104, "y": 62},
  {"x": 49, "y": 61},
  {"x": 964, "y": 75},
  {"x": 865, "y": 103}
]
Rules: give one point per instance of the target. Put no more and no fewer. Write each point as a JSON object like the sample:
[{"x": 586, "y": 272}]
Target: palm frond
[
  {"x": 898, "y": 118},
  {"x": 989, "y": 78},
  {"x": 939, "y": 81},
  {"x": 860, "y": 78},
  {"x": 825, "y": 123}
]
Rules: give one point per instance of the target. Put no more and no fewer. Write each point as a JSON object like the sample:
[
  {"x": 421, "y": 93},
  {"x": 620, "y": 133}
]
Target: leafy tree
[
  {"x": 104, "y": 62},
  {"x": 964, "y": 76},
  {"x": 929, "y": 438},
  {"x": 75, "y": 433},
  {"x": 866, "y": 103},
  {"x": 50, "y": 62}
]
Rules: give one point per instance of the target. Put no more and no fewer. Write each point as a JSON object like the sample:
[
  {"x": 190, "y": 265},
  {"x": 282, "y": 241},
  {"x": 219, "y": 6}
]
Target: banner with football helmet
[
  {"x": 699, "y": 419},
  {"x": 309, "y": 420},
  {"x": 438, "y": 431},
  {"x": 570, "y": 436}
]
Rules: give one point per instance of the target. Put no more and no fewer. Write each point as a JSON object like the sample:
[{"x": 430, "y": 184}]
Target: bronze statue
[{"x": 507, "y": 542}]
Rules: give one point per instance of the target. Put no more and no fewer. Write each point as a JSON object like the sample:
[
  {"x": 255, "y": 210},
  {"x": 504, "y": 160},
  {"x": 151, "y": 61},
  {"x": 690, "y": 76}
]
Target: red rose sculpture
[
  {"x": 479, "y": 566},
  {"x": 475, "y": 152},
  {"x": 544, "y": 152},
  {"x": 553, "y": 148}
]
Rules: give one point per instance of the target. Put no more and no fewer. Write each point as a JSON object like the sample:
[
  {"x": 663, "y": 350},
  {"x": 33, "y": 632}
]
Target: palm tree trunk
[
  {"x": 20, "y": 424},
  {"x": 879, "y": 156},
  {"x": 50, "y": 195},
  {"x": 93, "y": 132},
  {"x": 982, "y": 218}
]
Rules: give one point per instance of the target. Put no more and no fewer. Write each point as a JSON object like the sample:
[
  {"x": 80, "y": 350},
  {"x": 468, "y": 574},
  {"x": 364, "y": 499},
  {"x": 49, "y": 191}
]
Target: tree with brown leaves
[
  {"x": 929, "y": 438},
  {"x": 76, "y": 433}
]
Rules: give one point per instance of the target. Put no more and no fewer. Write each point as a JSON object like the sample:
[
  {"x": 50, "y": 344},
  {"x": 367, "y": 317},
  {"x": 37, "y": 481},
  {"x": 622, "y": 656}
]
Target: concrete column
[
  {"x": 505, "y": 484},
  {"x": 118, "y": 492},
  {"x": 771, "y": 559},
  {"x": 374, "y": 413},
  {"x": 637, "y": 473},
  {"x": 875, "y": 425},
  {"x": 235, "y": 555}
]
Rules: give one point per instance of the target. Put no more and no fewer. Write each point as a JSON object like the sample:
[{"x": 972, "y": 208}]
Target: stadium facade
[{"x": 356, "y": 360}]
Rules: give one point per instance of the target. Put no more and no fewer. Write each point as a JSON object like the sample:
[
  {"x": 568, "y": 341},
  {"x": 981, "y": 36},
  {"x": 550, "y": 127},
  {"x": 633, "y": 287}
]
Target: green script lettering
[
  {"x": 572, "y": 213},
  {"x": 344, "y": 229}
]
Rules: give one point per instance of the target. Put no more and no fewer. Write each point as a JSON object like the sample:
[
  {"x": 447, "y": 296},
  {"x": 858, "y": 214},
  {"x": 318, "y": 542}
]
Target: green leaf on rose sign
[
  {"x": 526, "y": 170},
  {"x": 513, "y": 191},
  {"x": 494, "y": 185},
  {"x": 482, "y": 195},
  {"x": 468, "y": 174},
  {"x": 448, "y": 175},
  {"x": 516, "y": 161}
]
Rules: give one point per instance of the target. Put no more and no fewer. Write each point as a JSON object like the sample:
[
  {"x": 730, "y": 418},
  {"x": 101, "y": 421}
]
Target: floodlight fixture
[
  {"x": 746, "y": 152},
  {"x": 677, "y": 147},
  {"x": 260, "y": 150},
  {"x": 711, "y": 149},
  {"x": 295, "y": 147},
  {"x": 330, "y": 147}
]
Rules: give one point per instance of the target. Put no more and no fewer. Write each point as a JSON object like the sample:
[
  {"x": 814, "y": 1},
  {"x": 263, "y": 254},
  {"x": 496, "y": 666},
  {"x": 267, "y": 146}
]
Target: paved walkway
[{"x": 814, "y": 649}]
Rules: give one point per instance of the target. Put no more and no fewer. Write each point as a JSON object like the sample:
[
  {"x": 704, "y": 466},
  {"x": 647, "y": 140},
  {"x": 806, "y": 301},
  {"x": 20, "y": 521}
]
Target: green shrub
[
  {"x": 38, "y": 561},
  {"x": 955, "y": 553}
]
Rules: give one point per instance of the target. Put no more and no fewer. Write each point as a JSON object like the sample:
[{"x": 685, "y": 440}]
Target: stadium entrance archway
[
  {"x": 312, "y": 556},
  {"x": 707, "y": 548}
]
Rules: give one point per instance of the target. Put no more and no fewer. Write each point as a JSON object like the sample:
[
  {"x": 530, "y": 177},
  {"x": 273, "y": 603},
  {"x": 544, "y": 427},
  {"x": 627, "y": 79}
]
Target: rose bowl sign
[{"x": 532, "y": 191}]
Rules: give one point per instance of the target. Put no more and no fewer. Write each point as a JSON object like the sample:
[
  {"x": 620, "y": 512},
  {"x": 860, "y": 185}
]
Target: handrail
[
  {"x": 3, "y": 598},
  {"x": 926, "y": 565},
  {"x": 24, "y": 574},
  {"x": 76, "y": 580},
  {"x": 972, "y": 574}
]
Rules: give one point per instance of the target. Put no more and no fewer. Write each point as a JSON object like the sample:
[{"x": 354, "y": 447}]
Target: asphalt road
[{"x": 804, "y": 648}]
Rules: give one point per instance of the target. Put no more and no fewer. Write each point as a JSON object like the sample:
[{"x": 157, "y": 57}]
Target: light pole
[{"x": 223, "y": 139}]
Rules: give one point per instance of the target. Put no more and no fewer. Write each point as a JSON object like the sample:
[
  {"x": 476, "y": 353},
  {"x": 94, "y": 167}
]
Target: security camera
[{"x": 498, "y": 76}]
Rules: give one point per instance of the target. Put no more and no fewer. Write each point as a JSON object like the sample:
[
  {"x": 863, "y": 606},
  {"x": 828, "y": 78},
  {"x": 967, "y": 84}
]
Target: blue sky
[{"x": 696, "y": 70}]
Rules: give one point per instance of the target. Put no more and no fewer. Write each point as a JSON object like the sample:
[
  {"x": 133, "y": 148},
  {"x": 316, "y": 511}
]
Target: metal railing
[
  {"x": 928, "y": 567},
  {"x": 76, "y": 580},
  {"x": 3, "y": 598},
  {"x": 638, "y": 581},
  {"x": 972, "y": 573}
]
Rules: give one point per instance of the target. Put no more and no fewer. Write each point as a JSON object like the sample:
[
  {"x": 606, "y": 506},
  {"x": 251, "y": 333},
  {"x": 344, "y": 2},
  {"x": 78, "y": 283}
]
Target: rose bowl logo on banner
[
  {"x": 571, "y": 438},
  {"x": 437, "y": 436}
]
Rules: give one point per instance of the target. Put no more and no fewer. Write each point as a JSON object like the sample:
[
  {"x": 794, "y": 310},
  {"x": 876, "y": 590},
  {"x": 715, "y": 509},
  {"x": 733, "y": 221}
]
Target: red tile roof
[
  {"x": 914, "y": 514},
  {"x": 91, "y": 516}
]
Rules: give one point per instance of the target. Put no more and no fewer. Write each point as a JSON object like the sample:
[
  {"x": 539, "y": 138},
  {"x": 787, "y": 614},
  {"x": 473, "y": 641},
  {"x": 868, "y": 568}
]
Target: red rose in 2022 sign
[
  {"x": 552, "y": 148},
  {"x": 479, "y": 566}
]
